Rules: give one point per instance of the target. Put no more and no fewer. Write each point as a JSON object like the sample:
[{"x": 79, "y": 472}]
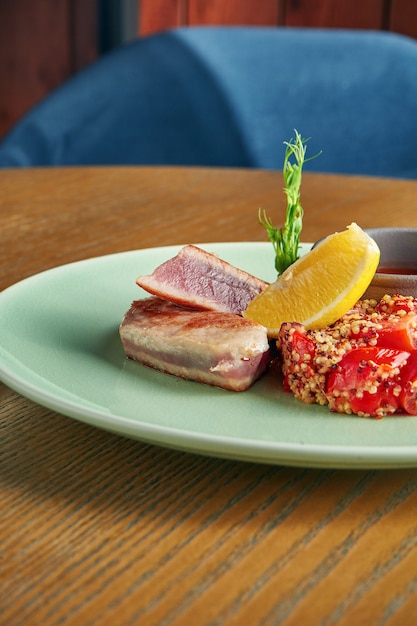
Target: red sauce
[{"x": 397, "y": 270}]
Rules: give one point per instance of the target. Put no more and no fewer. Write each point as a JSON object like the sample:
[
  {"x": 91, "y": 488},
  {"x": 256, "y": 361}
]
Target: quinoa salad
[{"x": 364, "y": 364}]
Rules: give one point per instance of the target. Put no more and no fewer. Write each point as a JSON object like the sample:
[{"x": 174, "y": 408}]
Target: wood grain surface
[{"x": 99, "y": 529}]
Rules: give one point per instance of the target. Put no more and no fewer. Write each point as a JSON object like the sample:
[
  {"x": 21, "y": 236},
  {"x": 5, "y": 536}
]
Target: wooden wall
[
  {"x": 43, "y": 42},
  {"x": 396, "y": 15}
]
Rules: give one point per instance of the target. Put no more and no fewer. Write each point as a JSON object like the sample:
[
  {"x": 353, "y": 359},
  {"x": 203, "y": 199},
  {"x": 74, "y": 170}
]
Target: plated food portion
[
  {"x": 198, "y": 279},
  {"x": 216, "y": 348},
  {"x": 208, "y": 321},
  {"x": 363, "y": 361}
]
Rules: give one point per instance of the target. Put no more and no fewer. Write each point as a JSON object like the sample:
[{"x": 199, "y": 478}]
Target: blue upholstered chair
[{"x": 230, "y": 96}]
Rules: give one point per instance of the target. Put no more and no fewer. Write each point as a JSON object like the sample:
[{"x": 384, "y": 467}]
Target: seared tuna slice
[
  {"x": 220, "y": 349},
  {"x": 199, "y": 279}
]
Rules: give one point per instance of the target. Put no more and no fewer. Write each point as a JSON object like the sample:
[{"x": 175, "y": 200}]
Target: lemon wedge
[{"x": 320, "y": 286}]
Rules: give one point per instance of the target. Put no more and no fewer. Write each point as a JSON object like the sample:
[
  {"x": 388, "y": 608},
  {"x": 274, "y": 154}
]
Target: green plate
[{"x": 59, "y": 346}]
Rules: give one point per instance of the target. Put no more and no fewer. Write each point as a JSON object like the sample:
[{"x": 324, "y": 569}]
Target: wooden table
[{"x": 98, "y": 529}]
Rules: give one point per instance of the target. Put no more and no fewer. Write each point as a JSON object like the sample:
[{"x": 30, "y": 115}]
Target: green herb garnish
[{"x": 286, "y": 240}]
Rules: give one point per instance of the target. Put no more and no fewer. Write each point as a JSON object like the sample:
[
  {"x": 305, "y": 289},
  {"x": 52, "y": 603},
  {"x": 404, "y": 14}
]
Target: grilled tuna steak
[
  {"x": 220, "y": 349},
  {"x": 198, "y": 279}
]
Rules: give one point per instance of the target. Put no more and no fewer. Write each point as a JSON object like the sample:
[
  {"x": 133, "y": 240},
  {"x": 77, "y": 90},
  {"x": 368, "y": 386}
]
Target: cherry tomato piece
[
  {"x": 367, "y": 381},
  {"x": 401, "y": 335},
  {"x": 408, "y": 377}
]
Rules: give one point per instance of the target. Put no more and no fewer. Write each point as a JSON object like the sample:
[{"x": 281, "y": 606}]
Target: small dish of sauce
[{"x": 397, "y": 270}]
